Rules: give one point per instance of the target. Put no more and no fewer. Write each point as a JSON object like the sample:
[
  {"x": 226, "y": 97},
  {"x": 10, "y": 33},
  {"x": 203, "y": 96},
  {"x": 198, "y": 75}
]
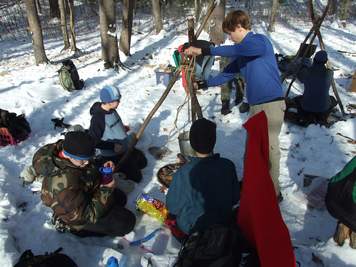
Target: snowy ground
[{"x": 35, "y": 91}]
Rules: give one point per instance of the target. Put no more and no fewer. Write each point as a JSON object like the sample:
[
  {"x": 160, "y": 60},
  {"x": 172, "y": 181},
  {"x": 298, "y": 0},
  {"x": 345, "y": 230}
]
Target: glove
[{"x": 201, "y": 84}]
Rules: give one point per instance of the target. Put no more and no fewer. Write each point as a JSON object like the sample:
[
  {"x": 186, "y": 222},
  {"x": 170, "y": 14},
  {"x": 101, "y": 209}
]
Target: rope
[{"x": 188, "y": 71}]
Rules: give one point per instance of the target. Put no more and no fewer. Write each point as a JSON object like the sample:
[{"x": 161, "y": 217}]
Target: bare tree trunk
[
  {"x": 272, "y": 18},
  {"x": 110, "y": 53},
  {"x": 156, "y": 11},
  {"x": 62, "y": 9},
  {"x": 249, "y": 5},
  {"x": 344, "y": 6},
  {"x": 127, "y": 17},
  {"x": 36, "y": 32},
  {"x": 38, "y": 7},
  {"x": 333, "y": 7},
  {"x": 197, "y": 9},
  {"x": 73, "y": 44},
  {"x": 92, "y": 6},
  {"x": 54, "y": 9},
  {"x": 217, "y": 18}
]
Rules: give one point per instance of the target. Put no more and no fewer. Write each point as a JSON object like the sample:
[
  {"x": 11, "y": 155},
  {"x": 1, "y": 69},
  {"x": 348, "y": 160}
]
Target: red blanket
[{"x": 259, "y": 215}]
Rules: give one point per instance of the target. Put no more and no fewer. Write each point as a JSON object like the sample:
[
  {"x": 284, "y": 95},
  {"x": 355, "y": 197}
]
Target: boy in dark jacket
[
  {"x": 72, "y": 187},
  {"x": 204, "y": 191},
  {"x": 110, "y": 134},
  {"x": 315, "y": 104},
  {"x": 253, "y": 57}
]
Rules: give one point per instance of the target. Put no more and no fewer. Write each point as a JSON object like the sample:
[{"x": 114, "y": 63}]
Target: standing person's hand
[
  {"x": 193, "y": 51},
  {"x": 200, "y": 84}
]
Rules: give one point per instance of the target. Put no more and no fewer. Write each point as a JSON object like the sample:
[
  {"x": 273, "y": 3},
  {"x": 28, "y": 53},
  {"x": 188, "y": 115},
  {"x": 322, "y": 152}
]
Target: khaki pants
[{"x": 275, "y": 113}]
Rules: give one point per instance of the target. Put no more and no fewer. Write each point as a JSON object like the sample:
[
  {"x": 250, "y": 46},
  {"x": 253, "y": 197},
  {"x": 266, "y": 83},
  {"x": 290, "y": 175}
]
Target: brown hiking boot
[
  {"x": 342, "y": 233},
  {"x": 353, "y": 240}
]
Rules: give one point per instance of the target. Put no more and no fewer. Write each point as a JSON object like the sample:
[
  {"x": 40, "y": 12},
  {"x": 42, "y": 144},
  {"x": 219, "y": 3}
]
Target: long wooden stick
[
  {"x": 171, "y": 83},
  {"x": 313, "y": 30},
  {"x": 207, "y": 16}
]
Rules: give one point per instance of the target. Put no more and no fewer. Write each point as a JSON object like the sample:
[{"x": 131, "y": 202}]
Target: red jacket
[{"x": 259, "y": 215}]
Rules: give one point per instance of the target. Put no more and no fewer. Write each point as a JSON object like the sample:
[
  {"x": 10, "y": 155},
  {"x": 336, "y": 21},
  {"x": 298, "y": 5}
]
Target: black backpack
[
  {"x": 218, "y": 246},
  {"x": 54, "y": 259},
  {"x": 69, "y": 77},
  {"x": 17, "y": 125}
]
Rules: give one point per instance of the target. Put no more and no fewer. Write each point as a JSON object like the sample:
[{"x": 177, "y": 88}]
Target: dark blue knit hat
[
  {"x": 109, "y": 94},
  {"x": 202, "y": 136},
  {"x": 321, "y": 57},
  {"x": 78, "y": 145}
]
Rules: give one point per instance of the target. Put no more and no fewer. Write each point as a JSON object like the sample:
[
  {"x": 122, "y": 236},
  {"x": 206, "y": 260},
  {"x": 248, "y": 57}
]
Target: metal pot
[{"x": 184, "y": 145}]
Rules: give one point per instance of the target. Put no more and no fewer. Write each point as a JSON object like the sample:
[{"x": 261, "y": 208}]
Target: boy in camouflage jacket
[{"x": 72, "y": 189}]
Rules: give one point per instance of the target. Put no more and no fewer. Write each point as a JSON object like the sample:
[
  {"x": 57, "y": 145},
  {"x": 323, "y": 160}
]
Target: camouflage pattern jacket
[{"x": 73, "y": 193}]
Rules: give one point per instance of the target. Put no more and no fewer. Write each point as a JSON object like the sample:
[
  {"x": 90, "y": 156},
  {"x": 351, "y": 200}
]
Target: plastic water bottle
[
  {"x": 106, "y": 175},
  {"x": 112, "y": 262}
]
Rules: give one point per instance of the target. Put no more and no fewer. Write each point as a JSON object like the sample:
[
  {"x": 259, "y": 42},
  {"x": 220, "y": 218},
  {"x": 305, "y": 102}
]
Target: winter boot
[
  {"x": 342, "y": 233},
  {"x": 353, "y": 240},
  {"x": 244, "y": 107},
  {"x": 225, "y": 107}
]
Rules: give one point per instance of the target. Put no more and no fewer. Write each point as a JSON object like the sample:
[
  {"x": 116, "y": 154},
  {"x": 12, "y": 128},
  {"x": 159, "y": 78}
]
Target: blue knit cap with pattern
[{"x": 109, "y": 94}]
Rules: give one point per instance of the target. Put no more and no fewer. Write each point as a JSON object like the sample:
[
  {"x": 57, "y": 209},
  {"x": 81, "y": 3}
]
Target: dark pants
[
  {"x": 131, "y": 167},
  {"x": 118, "y": 222},
  {"x": 303, "y": 117}
]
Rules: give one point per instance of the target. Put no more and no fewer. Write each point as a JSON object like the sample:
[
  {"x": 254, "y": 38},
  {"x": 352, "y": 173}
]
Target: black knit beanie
[
  {"x": 78, "y": 145},
  {"x": 202, "y": 136},
  {"x": 321, "y": 57}
]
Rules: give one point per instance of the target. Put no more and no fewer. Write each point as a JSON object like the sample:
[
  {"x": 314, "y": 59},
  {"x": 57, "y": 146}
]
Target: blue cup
[{"x": 106, "y": 175}]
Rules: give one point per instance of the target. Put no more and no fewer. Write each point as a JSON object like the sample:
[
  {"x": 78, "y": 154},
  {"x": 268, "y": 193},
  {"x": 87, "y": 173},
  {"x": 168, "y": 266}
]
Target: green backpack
[
  {"x": 69, "y": 77},
  {"x": 341, "y": 195},
  {"x": 65, "y": 79}
]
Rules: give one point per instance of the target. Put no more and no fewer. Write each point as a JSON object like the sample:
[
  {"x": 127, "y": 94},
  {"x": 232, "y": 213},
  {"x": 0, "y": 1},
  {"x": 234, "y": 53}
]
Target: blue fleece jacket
[
  {"x": 317, "y": 80},
  {"x": 254, "y": 58},
  {"x": 203, "y": 193}
]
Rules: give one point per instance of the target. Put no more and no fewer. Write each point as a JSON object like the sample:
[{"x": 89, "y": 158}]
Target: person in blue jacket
[
  {"x": 315, "y": 105},
  {"x": 204, "y": 191},
  {"x": 253, "y": 57},
  {"x": 111, "y": 136}
]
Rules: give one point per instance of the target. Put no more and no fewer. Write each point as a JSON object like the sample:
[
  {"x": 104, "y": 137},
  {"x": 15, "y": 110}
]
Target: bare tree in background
[
  {"x": 62, "y": 9},
  {"x": 36, "y": 32},
  {"x": 54, "y": 9},
  {"x": 272, "y": 17},
  {"x": 38, "y": 7},
  {"x": 344, "y": 6},
  {"x": 217, "y": 18},
  {"x": 156, "y": 11},
  {"x": 73, "y": 44},
  {"x": 126, "y": 31},
  {"x": 93, "y": 6},
  {"x": 333, "y": 7},
  {"x": 110, "y": 51},
  {"x": 197, "y": 9}
]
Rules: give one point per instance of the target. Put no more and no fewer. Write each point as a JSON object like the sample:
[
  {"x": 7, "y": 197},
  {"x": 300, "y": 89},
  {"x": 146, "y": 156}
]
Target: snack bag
[{"x": 152, "y": 207}]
